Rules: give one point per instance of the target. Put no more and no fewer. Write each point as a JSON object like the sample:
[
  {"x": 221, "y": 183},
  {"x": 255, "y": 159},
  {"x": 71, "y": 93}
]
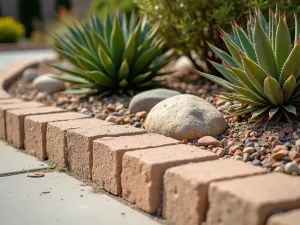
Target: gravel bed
[{"x": 275, "y": 147}]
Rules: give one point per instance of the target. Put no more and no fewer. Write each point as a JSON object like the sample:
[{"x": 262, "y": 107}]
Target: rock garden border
[{"x": 184, "y": 184}]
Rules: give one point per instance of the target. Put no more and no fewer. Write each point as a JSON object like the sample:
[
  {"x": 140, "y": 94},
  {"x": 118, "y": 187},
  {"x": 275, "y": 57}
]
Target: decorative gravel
[{"x": 275, "y": 147}]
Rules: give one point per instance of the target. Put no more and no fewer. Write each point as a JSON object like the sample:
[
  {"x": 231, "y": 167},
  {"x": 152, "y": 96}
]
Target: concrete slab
[
  {"x": 60, "y": 199},
  {"x": 13, "y": 160}
]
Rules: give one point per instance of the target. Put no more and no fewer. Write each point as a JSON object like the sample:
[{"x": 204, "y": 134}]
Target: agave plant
[
  {"x": 262, "y": 69},
  {"x": 119, "y": 55}
]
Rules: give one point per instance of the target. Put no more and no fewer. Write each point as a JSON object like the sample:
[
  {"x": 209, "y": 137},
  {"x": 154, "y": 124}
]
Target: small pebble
[
  {"x": 279, "y": 169},
  {"x": 249, "y": 150},
  {"x": 256, "y": 162},
  {"x": 291, "y": 168},
  {"x": 111, "y": 119},
  {"x": 101, "y": 116}
]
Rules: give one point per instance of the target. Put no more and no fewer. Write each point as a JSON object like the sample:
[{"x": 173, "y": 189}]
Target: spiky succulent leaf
[
  {"x": 119, "y": 55},
  {"x": 262, "y": 69}
]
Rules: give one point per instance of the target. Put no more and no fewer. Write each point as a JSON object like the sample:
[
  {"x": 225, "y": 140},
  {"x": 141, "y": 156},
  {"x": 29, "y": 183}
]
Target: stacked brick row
[{"x": 184, "y": 184}]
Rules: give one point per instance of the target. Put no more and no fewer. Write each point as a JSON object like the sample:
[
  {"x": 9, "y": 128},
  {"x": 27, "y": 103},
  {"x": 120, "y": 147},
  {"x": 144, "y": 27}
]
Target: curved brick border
[{"x": 158, "y": 174}]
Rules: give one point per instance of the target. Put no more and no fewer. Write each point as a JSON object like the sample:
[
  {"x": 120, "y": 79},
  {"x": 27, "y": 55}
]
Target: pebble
[
  {"x": 47, "y": 83},
  {"x": 279, "y": 155},
  {"x": 238, "y": 157},
  {"x": 291, "y": 168},
  {"x": 246, "y": 157},
  {"x": 297, "y": 143},
  {"x": 279, "y": 147},
  {"x": 267, "y": 164},
  {"x": 119, "y": 120},
  {"x": 220, "y": 152},
  {"x": 281, "y": 134},
  {"x": 85, "y": 111},
  {"x": 208, "y": 140},
  {"x": 256, "y": 162},
  {"x": 294, "y": 155},
  {"x": 249, "y": 144},
  {"x": 111, "y": 119},
  {"x": 136, "y": 119},
  {"x": 101, "y": 116},
  {"x": 137, "y": 124},
  {"x": 111, "y": 107},
  {"x": 253, "y": 134},
  {"x": 141, "y": 115},
  {"x": 233, "y": 148},
  {"x": 279, "y": 169},
  {"x": 249, "y": 150},
  {"x": 264, "y": 144},
  {"x": 276, "y": 142}
]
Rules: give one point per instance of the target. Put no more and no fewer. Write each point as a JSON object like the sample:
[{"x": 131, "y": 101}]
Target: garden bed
[{"x": 273, "y": 146}]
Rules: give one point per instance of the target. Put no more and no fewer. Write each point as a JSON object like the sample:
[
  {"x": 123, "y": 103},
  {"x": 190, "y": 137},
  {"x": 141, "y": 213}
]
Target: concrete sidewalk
[{"x": 56, "y": 198}]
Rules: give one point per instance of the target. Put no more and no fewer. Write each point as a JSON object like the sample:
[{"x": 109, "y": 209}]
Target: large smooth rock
[
  {"x": 185, "y": 117},
  {"x": 48, "y": 84},
  {"x": 145, "y": 101}
]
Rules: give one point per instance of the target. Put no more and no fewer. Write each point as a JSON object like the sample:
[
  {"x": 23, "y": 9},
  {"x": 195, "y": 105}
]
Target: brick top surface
[
  {"x": 216, "y": 170},
  {"x": 139, "y": 141},
  {"x": 21, "y": 105},
  {"x": 65, "y": 125},
  {"x": 262, "y": 189},
  {"x": 287, "y": 218},
  {"x": 32, "y": 111},
  {"x": 11, "y": 101},
  {"x": 57, "y": 117},
  {"x": 107, "y": 131},
  {"x": 170, "y": 153}
]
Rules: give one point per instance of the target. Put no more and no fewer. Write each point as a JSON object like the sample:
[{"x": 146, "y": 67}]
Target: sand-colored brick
[
  {"x": 250, "y": 200},
  {"x": 185, "y": 194},
  {"x": 143, "y": 170},
  {"x": 108, "y": 154},
  {"x": 4, "y": 108},
  {"x": 10, "y": 101},
  {"x": 35, "y": 128},
  {"x": 15, "y": 120},
  {"x": 80, "y": 145},
  {"x": 287, "y": 218},
  {"x": 56, "y": 145}
]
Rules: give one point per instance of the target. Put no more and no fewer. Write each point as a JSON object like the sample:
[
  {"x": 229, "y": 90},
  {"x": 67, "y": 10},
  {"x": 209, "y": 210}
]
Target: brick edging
[{"x": 184, "y": 184}]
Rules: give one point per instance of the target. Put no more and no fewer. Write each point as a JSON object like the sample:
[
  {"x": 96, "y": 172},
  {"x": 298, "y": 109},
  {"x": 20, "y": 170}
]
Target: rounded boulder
[
  {"x": 145, "y": 101},
  {"x": 47, "y": 83},
  {"x": 185, "y": 117}
]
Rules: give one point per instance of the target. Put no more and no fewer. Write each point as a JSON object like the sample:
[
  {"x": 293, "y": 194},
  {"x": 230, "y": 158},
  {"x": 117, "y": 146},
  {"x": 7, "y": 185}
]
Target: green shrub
[
  {"x": 116, "y": 56},
  {"x": 186, "y": 25},
  {"x": 100, "y": 7},
  {"x": 10, "y": 30},
  {"x": 263, "y": 68}
]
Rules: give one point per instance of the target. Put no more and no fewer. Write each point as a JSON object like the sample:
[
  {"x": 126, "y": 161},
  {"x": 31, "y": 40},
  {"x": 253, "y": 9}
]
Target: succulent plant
[
  {"x": 263, "y": 67},
  {"x": 119, "y": 55}
]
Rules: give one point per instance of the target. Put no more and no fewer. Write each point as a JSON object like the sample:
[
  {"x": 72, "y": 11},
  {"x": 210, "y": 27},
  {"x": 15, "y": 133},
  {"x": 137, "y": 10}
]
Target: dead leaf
[{"x": 36, "y": 174}]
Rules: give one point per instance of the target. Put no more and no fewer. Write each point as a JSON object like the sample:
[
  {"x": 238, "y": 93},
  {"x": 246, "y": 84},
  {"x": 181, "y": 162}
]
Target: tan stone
[
  {"x": 287, "y": 218},
  {"x": 80, "y": 145},
  {"x": 4, "y": 108},
  {"x": 108, "y": 154},
  {"x": 143, "y": 171},
  {"x": 186, "y": 188},
  {"x": 208, "y": 140},
  {"x": 280, "y": 154},
  {"x": 15, "y": 120},
  {"x": 251, "y": 200},
  {"x": 35, "y": 130},
  {"x": 56, "y": 145}
]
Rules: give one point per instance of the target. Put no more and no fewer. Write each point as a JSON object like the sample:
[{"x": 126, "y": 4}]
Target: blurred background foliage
[{"x": 187, "y": 25}]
